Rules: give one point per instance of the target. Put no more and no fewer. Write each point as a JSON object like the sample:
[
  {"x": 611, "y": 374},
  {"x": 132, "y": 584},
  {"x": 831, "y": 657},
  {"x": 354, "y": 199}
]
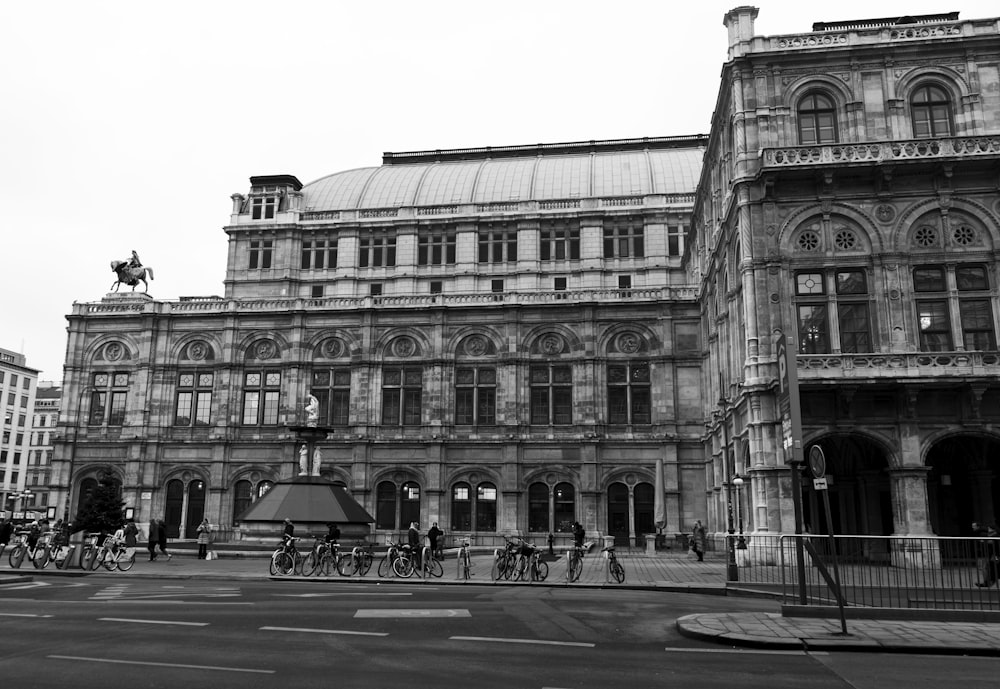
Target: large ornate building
[{"x": 509, "y": 339}]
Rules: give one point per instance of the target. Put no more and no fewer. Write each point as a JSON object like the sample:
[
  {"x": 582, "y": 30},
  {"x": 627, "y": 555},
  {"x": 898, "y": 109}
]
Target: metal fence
[{"x": 930, "y": 572}]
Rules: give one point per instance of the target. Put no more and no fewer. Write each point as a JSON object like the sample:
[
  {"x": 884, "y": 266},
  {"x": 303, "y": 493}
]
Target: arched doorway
[
  {"x": 618, "y": 525},
  {"x": 196, "y": 506},
  {"x": 644, "y": 496},
  {"x": 963, "y": 484},
  {"x": 173, "y": 510},
  {"x": 857, "y": 474}
]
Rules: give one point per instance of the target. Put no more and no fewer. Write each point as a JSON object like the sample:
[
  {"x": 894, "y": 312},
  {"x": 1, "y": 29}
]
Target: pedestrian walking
[
  {"x": 698, "y": 540},
  {"x": 987, "y": 557},
  {"x": 153, "y": 537},
  {"x": 161, "y": 537},
  {"x": 204, "y": 538},
  {"x": 434, "y": 535}
]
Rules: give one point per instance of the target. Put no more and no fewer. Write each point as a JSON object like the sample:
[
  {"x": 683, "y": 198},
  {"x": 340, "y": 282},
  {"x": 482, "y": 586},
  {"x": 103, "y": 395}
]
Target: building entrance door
[{"x": 618, "y": 525}]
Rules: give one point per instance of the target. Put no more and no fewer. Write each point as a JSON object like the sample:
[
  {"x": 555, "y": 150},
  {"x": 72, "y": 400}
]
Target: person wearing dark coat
[
  {"x": 153, "y": 537},
  {"x": 161, "y": 537}
]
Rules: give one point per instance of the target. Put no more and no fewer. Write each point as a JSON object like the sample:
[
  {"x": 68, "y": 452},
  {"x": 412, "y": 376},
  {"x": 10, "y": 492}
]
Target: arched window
[
  {"x": 461, "y": 507},
  {"x": 242, "y": 492},
  {"x": 538, "y": 508},
  {"x": 486, "y": 507},
  {"x": 196, "y": 505},
  {"x": 817, "y": 120},
  {"x": 385, "y": 506},
  {"x": 564, "y": 512},
  {"x": 930, "y": 110},
  {"x": 644, "y": 495},
  {"x": 174, "y": 509},
  {"x": 473, "y": 511},
  {"x": 263, "y": 487},
  {"x": 409, "y": 508}
]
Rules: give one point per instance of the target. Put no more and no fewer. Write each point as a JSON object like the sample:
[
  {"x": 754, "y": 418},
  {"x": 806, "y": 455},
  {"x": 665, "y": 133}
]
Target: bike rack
[{"x": 569, "y": 566}]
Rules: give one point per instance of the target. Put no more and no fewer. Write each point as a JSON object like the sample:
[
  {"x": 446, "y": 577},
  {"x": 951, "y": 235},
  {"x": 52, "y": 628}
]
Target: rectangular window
[
  {"x": 935, "y": 326},
  {"x": 261, "y": 394},
  {"x": 497, "y": 243},
  {"x": 332, "y": 387},
  {"x": 194, "y": 399},
  {"x": 977, "y": 324},
  {"x": 475, "y": 396},
  {"x": 436, "y": 248},
  {"x": 855, "y": 330},
  {"x": 260, "y": 253},
  {"x": 263, "y": 207},
  {"x": 375, "y": 289},
  {"x": 436, "y": 287},
  {"x": 675, "y": 239},
  {"x": 624, "y": 282},
  {"x": 813, "y": 335},
  {"x": 319, "y": 254},
  {"x": 551, "y": 395},
  {"x": 108, "y": 399},
  {"x": 623, "y": 238},
  {"x": 316, "y": 291},
  {"x": 401, "y": 396},
  {"x": 629, "y": 397},
  {"x": 376, "y": 250},
  {"x": 559, "y": 241},
  {"x": 496, "y": 286}
]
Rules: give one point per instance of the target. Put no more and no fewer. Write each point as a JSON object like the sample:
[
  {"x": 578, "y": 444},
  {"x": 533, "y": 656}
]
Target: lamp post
[
  {"x": 24, "y": 495},
  {"x": 741, "y": 542}
]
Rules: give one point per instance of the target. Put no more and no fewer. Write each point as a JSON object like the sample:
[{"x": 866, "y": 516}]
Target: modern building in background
[
  {"x": 507, "y": 339},
  {"x": 18, "y": 385},
  {"x": 44, "y": 422}
]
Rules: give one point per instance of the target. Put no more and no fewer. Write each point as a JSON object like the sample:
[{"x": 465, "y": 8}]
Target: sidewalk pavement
[{"x": 665, "y": 571}]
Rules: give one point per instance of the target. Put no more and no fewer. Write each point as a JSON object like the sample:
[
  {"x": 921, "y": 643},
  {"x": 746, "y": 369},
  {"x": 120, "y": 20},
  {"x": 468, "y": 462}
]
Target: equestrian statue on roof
[{"x": 131, "y": 272}]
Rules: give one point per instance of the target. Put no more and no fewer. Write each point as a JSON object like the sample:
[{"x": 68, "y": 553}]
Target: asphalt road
[{"x": 110, "y": 631}]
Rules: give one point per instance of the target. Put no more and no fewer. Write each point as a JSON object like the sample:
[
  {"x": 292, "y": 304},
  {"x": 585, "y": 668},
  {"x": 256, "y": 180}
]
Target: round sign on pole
[{"x": 817, "y": 461}]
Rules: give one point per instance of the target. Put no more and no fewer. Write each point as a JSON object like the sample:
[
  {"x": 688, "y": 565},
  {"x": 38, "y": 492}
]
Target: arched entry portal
[
  {"x": 963, "y": 485},
  {"x": 857, "y": 473},
  {"x": 630, "y": 515}
]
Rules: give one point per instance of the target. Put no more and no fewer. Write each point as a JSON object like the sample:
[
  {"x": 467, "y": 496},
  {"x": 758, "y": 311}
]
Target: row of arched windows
[{"x": 930, "y": 108}]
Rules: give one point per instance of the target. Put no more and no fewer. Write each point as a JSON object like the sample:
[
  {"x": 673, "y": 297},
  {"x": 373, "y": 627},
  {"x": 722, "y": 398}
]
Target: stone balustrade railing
[
  {"x": 881, "y": 151},
  {"x": 902, "y": 365},
  {"x": 123, "y": 305}
]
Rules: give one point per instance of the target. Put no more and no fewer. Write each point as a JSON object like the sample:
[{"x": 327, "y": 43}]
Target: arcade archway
[{"x": 963, "y": 484}]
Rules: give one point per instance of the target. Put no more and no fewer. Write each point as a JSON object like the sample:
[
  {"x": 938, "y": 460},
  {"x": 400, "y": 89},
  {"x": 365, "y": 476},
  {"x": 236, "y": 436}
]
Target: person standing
[
  {"x": 332, "y": 533},
  {"x": 434, "y": 535},
  {"x": 287, "y": 534},
  {"x": 204, "y": 538},
  {"x": 130, "y": 535},
  {"x": 153, "y": 536},
  {"x": 578, "y": 534},
  {"x": 6, "y": 529},
  {"x": 161, "y": 537},
  {"x": 698, "y": 540}
]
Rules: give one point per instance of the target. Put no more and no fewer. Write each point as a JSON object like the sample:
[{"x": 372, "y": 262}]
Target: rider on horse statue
[{"x": 131, "y": 272}]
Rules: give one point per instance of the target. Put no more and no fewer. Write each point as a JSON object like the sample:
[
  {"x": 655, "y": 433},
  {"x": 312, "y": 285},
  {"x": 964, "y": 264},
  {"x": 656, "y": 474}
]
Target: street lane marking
[
  {"x": 18, "y": 586},
  {"x": 21, "y": 614},
  {"x": 521, "y": 641},
  {"x": 745, "y": 651},
  {"x": 116, "y": 661},
  {"x": 125, "y": 619},
  {"x": 337, "y": 593},
  {"x": 321, "y": 631},
  {"x": 412, "y": 613}
]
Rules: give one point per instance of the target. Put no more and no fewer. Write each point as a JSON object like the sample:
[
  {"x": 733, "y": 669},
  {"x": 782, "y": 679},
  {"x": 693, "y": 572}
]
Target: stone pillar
[{"x": 911, "y": 517}]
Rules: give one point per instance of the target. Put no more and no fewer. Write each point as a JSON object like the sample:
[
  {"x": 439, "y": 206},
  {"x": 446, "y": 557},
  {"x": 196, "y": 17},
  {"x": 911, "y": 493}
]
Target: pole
[{"x": 732, "y": 571}]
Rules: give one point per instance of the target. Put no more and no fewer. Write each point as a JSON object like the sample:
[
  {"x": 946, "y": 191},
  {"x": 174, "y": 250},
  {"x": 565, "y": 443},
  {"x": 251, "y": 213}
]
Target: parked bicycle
[
  {"x": 115, "y": 555},
  {"x": 323, "y": 559},
  {"x": 88, "y": 555},
  {"x": 285, "y": 560},
  {"x": 358, "y": 562},
  {"x": 465, "y": 561},
  {"x": 615, "y": 568},
  {"x": 385, "y": 564},
  {"x": 575, "y": 566},
  {"x": 530, "y": 565},
  {"x": 504, "y": 560}
]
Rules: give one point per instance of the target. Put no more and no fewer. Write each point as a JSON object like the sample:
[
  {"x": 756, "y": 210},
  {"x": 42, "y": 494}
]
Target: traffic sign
[
  {"x": 819, "y": 483},
  {"x": 817, "y": 461}
]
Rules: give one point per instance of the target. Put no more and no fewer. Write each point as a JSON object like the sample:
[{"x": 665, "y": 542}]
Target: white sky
[{"x": 128, "y": 125}]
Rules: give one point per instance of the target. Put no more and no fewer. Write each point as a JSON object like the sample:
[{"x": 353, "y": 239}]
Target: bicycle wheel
[
  {"x": 16, "y": 556},
  {"x": 125, "y": 565},
  {"x": 284, "y": 564},
  {"x": 347, "y": 565},
  {"x": 384, "y": 567},
  {"x": 273, "y": 564},
  {"x": 617, "y": 571},
  {"x": 496, "y": 573},
  {"x": 42, "y": 558},
  {"x": 366, "y": 563},
  {"x": 435, "y": 569},
  {"x": 403, "y": 567},
  {"x": 541, "y": 570},
  {"x": 520, "y": 570},
  {"x": 466, "y": 567},
  {"x": 109, "y": 560},
  {"x": 575, "y": 567},
  {"x": 310, "y": 564}
]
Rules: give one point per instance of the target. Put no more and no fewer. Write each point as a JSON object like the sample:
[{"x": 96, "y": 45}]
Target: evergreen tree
[{"x": 104, "y": 511}]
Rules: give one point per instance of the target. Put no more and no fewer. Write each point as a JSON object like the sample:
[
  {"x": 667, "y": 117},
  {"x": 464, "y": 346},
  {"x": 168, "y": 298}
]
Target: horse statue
[{"x": 130, "y": 274}]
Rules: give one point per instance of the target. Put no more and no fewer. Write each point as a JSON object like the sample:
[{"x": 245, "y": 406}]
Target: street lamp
[{"x": 741, "y": 543}]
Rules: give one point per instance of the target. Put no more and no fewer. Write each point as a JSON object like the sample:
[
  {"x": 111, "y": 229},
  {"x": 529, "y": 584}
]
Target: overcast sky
[{"x": 128, "y": 125}]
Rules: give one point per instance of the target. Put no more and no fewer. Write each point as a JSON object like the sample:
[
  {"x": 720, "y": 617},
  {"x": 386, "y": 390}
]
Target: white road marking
[
  {"x": 321, "y": 631},
  {"x": 521, "y": 641},
  {"x": 335, "y": 593},
  {"x": 23, "y": 585},
  {"x": 125, "y": 619},
  {"x": 180, "y": 665},
  {"x": 21, "y": 614},
  {"x": 745, "y": 651},
  {"x": 412, "y": 613}
]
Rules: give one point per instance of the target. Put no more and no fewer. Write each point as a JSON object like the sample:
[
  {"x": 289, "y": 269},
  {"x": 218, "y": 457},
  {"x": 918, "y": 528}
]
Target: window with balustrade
[
  {"x": 560, "y": 240},
  {"x": 319, "y": 254},
  {"x": 261, "y": 397},
  {"x": 401, "y": 396},
  {"x": 832, "y": 311},
  {"x": 194, "y": 399},
  {"x": 332, "y": 388},
  {"x": 962, "y": 289},
  {"x": 108, "y": 399},
  {"x": 930, "y": 112},
  {"x": 376, "y": 249},
  {"x": 497, "y": 243},
  {"x": 817, "y": 119},
  {"x": 436, "y": 247},
  {"x": 624, "y": 237},
  {"x": 475, "y": 396}
]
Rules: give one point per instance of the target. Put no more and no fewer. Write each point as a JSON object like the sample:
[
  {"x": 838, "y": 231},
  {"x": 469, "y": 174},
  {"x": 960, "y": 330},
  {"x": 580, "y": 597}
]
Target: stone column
[{"x": 911, "y": 518}]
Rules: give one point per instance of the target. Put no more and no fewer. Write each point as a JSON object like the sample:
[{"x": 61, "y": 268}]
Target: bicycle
[
  {"x": 36, "y": 554},
  {"x": 464, "y": 561},
  {"x": 115, "y": 555},
  {"x": 286, "y": 559},
  {"x": 405, "y": 563},
  {"x": 358, "y": 562},
  {"x": 432, "y": 565},
  {"x": 385, "y": 564},
  {"x": 88, "y": 556},
  {"x": 504, "y": 560},
  {"x": 323, "y": 557},
  {"x": 537, "y": 569},
  {"x": 615, "y": 568},
  {"x": 575, "y": 567}
]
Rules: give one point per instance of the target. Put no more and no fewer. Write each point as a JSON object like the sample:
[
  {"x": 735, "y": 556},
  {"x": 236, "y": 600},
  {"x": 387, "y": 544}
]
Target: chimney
[{"x": 739, "y": 21}]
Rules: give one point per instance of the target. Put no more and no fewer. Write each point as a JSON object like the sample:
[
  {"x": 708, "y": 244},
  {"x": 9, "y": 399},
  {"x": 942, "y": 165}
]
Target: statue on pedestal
[
  {"x": 317, "y": 461},
  {"x": 312, "y": 411},
  {"x": 303, "y": 460},
  {"x": 131, "y": 272}
]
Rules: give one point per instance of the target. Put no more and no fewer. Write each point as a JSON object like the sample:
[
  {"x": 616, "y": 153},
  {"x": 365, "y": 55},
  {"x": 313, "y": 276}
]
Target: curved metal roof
[{"x": 491, "y": 180}]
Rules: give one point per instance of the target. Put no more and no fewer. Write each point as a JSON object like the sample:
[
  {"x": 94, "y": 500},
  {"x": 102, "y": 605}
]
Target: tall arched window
[
  {"x": 930, "y": 110},
  {"x": 174, "y": 509},
  {"x": 196, "y": 505},
  {"x": 385, "y": 505},
  {"x": 538, "y": 508},
  {"x": 817, "y": 120},
  {"x": 461, "y": 507},
  {"x": 486, "y": 507},
  {"x": 564, "y": 507},
  {"x": 473, "y": 511},
  {"x": 409, "y": 504},
  {"x": 242, "y": 493},
  {"x": 644, "y": 497}
]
